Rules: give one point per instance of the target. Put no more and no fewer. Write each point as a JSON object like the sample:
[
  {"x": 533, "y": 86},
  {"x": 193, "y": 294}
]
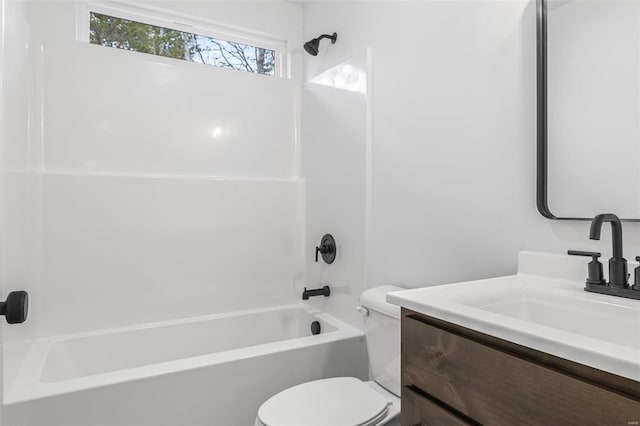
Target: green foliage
[
  {"x": 136, "y": 36},
  {"x": 139, "y": 37}
]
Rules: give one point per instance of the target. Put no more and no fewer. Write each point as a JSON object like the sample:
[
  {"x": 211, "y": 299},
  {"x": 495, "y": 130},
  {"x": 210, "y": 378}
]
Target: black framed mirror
[{"x": 588, "y": 108}]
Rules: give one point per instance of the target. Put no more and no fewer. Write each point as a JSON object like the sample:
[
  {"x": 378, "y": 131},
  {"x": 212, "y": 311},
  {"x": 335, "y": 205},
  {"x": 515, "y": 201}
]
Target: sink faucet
[{"x": 618, "y": 276}]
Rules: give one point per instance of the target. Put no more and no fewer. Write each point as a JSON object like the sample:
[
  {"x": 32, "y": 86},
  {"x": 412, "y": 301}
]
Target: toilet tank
[{"x": 382, "y": 330}]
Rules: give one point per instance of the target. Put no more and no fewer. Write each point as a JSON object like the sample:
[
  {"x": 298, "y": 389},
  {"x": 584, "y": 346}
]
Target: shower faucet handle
[
  {"x": 327, "y": 248},
  {"x": 321, "y": 249}
]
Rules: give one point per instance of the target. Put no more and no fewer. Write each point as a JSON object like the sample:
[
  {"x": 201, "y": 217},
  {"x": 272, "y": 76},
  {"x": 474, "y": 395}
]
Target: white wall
[
  {"x": 141, "y": 188},
  {"x": 453, "y": 154}
]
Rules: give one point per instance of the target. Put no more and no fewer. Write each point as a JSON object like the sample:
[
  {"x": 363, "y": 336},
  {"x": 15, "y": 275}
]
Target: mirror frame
[{"x": 542, "y": 181}]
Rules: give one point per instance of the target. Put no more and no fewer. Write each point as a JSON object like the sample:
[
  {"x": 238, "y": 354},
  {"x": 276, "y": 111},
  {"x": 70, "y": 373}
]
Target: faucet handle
[
  {"x": 595, "y": 274},
  {"x": 327, "y": 249},
  {"x": 594, "y": 255}
]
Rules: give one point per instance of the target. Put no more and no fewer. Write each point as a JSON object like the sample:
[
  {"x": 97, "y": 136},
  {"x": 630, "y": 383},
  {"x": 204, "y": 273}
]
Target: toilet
[{"x": 348, "y": 401}]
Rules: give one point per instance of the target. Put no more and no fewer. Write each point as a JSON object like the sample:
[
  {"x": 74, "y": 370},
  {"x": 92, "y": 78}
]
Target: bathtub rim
[{"x": 28, "y": 387}]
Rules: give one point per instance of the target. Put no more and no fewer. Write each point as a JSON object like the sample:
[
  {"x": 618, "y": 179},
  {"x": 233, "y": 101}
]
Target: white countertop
[{"x": 543, "y": 307}]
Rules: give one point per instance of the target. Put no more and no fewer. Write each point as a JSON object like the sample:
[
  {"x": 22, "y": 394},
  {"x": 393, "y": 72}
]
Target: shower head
[{"x": 312, "y": 45}]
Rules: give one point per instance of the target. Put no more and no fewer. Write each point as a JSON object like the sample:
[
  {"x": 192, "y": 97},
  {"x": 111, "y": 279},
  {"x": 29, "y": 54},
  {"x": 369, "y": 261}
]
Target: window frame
[{"x": 185, "y": 23}]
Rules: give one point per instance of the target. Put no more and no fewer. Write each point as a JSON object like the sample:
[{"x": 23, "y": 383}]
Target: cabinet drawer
[
  {"x": 419, "y": 410},
  {"x": 496, "y": 387}
]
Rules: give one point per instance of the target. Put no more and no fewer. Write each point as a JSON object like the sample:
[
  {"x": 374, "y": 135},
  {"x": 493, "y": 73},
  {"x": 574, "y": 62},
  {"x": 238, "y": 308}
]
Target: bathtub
[{"x": 213, "y": 370}]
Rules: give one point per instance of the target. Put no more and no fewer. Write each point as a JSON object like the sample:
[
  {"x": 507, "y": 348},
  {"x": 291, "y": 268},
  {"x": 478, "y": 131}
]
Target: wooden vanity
[{"x": 452, "y": 375}]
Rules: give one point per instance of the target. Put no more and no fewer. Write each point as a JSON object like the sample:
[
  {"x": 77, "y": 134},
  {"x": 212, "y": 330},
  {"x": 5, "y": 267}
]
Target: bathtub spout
[{"x": 324, "y": 291}]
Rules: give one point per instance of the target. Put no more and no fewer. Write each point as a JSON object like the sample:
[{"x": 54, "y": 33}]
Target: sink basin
[
  {"x": 550, "y": 314},
  {"x": 563, "y": 306}
]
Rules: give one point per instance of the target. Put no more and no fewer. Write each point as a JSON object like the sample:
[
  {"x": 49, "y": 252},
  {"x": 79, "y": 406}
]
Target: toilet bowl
[
  {"x": 344, "y": 401},
  {"x": 348, "y": 401}
]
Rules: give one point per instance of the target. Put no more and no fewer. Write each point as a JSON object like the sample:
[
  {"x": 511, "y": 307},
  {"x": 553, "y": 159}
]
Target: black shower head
[{"x": 312, "y": 45}]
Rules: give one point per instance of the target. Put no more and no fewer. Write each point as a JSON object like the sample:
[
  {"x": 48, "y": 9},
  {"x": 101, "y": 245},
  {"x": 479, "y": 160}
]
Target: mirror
[{"x": 588, "y": 108}]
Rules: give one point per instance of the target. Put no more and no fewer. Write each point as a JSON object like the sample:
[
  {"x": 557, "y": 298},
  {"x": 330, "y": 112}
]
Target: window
[{"x": 128, "y": 34}]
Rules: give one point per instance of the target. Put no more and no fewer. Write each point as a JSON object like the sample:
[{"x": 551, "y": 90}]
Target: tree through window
[{"x": 135, "y": 36}]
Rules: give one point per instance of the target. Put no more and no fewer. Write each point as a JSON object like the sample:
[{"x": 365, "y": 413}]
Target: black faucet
[
  {"x": 324, "y": 291},
  {"x": 618, "y": 276}
]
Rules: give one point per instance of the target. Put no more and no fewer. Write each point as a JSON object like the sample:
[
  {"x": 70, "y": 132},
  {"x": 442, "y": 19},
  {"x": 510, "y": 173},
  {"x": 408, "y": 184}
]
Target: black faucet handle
[
  {"x": 321, "y": 249},
  {"x": 592, "y": 254},
  {"x": 327, "y": 248},
  {"x": 595, "y": 274}
]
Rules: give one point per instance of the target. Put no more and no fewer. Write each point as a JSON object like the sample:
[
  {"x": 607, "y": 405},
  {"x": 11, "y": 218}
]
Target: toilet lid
[{"x": 344, "y": 401}]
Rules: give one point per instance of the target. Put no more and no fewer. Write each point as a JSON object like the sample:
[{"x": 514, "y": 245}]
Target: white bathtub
[{"x": 213, "y": 370}]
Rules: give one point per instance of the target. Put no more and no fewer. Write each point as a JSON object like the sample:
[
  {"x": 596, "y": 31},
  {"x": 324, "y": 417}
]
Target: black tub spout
[{"x": 324, "y": 291}]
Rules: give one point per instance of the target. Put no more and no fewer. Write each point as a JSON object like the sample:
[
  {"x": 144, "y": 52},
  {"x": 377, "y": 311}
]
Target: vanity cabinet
[{"x": 452, "y": 375}]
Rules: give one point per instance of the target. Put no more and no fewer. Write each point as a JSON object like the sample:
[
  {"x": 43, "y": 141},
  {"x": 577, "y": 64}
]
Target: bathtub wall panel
[
  {"x": 110, "y": 110},
  {"x": 167, "y": 188},
  {"x": 121, "y": 250},
  {"x": 335, "y": 148},
  {"x": 163, "y": 116},
  {"x": 21, "y": 264},
  {"x": 19, "y": 186}
]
